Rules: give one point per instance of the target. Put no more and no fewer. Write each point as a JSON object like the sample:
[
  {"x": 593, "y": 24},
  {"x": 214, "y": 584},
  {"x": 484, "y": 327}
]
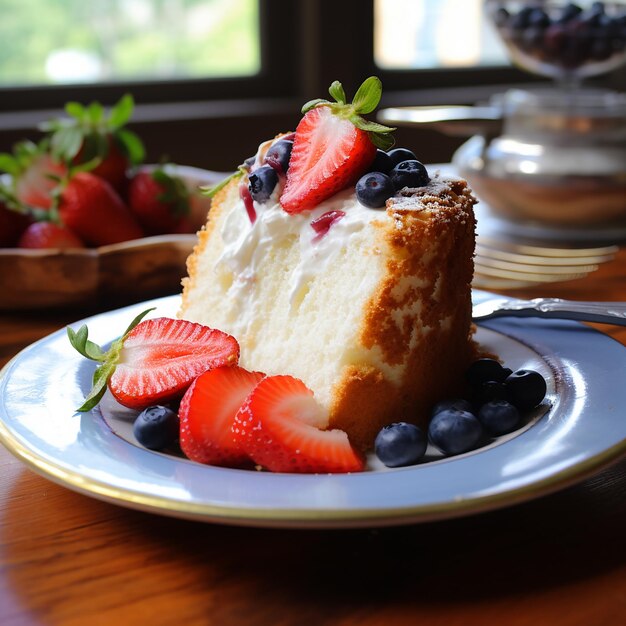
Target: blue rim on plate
[{"x": 580, "y": 433}]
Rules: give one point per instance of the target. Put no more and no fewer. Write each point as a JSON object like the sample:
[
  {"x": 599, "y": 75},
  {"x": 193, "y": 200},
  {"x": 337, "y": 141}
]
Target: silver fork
[
  {"x": 604, "y": 312},
  {"x": 503, "y": 264}
]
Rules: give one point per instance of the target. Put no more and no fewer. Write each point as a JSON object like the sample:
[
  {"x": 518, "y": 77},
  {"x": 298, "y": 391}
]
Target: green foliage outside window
[{"x": 68, "y": 41}]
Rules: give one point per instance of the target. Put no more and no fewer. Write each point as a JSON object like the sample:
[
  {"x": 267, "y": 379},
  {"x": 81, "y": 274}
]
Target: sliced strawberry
[
  {"x": 329, "y": 154},
  {"x": 91, "y": 208},
  {"x": 35, "y": 185},
  {"x": 279, "y": 427},
  {"x": 207, "y": 412},
  {"x": 35, "y": 173},
  {"x": 333, "y": 146},
  {"x": 48, "y": 235},
  {"x": 154, "y": 361}
]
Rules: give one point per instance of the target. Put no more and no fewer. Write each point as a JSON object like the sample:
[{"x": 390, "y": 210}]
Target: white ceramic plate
[{"x": 578, "y": 430}]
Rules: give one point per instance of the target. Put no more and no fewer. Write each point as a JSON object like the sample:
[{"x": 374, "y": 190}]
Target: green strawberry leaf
[
  {"x": 209, "y": 192},
  {"x": 337, "y": 92},
  {"x": 136, "y": 321},
  {"x": 9, "y": 164},
  {"x": 66, "y": 142},
  {"x": 311, "y": 104},
  {"x": 382, "y": 141},
  {"x": 368, "y": 95},
  {"x": 95, "y": 113},
  {"x": 100, "y": 379},
  {"x": 121, "y": 112},
  {"x": 75, "y": 110},
  {"x": 132, "y": 144},
  {"x": 80, "y": 342}
]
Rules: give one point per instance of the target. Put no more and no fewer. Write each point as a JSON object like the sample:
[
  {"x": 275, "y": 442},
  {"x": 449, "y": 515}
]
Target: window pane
[
  {"x": 74, "y": 41},
  {"x": 423, "y": 34}
]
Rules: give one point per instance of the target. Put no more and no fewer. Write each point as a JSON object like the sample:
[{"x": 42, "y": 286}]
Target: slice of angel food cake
[{"x": 343, "y": 268}]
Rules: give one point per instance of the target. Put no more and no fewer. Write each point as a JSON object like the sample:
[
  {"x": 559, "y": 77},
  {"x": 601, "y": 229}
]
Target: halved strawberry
[
  {"x": 333, "y": 146},
  {"x": 34, "y": 173},
  {"x": 207, "y": 412},
  {"x": 154, "y": 361},
  {"x": 279, "y": 427}
]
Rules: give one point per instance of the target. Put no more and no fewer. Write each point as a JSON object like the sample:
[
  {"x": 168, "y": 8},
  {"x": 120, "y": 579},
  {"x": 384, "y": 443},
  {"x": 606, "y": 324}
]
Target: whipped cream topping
[{"x": 246, "y": 243}]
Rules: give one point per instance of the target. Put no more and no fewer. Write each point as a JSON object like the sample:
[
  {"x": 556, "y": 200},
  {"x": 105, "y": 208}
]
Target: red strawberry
[
  {"x": 159, "y": 200},
  {"x": 49, "y": 235},
  {"x": 89, "y": 133},
  {"x": 207, "y": 412},
  {"x": 114, "y": 163},
  {"x": 333, "y": 146},
  {"x": 34, "y": 172},
  {"x": 155, "y": 361},
  {"x": 91, "y": 208},
  {"x": 278, "y": 426},
  {"x": 12, "y": 225}
]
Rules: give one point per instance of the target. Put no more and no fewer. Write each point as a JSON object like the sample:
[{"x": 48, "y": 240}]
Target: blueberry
[
  {"x": 520, "y": 20},
  {"x": 484, "y": 370},
  {"x": 454, "y": 432},
  {"x": 501, "y": 17},
  {"x": 499, "y": 417},
  {"x": 262, "y": 182},
  {"x": 538, "y": 18},
  {"x": 278, "y": 155},
  {"x": 409, "y": 174},
  {"x": 400, "y": 444},
  {"x": 525, "y": 389},
  {"x": 568, "y": 12},
  {"x": 397, "y": 155},
  {"x": 456, "y": 404},
  {"x": 373, "y": 190},
  {"x": 382, "y": 162},
  {"x": 156, "y": 427},
  {"x": 249, "y": 162},
  {"x": 491, "y": 390}
]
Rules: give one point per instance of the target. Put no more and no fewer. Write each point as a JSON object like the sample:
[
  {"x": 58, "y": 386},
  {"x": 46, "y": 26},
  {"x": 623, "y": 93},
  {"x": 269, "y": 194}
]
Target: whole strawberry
[
  {"x": 160, "y": 201},
  {"x": 333, "y": 146},
  {"x": 91, "y": 135},
  {"x": 49, "y": 235},
  {"x": 91, "y": 208},
  {"x": 13, "y": 222},
  {"x": 154, "y": 361}
]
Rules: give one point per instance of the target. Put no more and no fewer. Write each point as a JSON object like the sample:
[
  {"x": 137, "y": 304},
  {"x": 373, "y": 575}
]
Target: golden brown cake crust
[{"x": 365, "y": 399}]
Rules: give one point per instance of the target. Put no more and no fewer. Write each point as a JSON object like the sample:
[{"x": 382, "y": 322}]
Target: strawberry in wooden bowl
[{"x": 82, "y": 221}]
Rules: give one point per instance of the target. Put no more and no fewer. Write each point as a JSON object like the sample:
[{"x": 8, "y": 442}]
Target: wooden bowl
[{"x": 115, "y": 274}]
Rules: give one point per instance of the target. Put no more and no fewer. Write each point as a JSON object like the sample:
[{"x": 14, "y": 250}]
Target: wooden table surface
[{"x": 67, "y": 559}]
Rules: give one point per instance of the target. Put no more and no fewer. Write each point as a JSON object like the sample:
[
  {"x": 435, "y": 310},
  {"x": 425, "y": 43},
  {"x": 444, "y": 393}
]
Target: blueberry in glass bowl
[{"x": 563, "y": 40}]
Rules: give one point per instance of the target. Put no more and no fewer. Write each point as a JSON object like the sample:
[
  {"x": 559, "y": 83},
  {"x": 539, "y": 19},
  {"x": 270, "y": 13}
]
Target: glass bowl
[{"x": 563, "y": 40}]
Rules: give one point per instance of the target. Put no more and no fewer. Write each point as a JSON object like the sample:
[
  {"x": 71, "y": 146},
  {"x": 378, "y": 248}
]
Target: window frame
[{"x": 275, "y": 18}]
